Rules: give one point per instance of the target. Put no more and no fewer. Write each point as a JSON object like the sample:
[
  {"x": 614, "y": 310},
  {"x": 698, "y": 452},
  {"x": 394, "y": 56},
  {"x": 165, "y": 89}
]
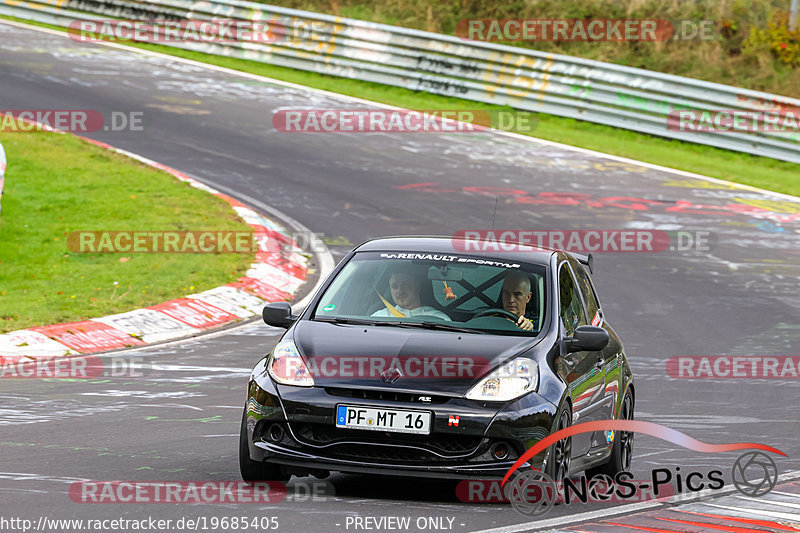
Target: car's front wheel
[
  {"x": 253, "y": 471},
  {"x": 560, "y": 454}
]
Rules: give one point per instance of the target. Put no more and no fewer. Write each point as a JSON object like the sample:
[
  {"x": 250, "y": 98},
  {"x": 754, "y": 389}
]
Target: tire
[
  {"x": 559, "y": 455},
  {"x": 253, "y": 471},
  {"x": 622, "y": 449}
]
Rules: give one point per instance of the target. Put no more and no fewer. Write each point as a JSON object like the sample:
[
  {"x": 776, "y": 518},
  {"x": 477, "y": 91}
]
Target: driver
[
  {"x": 516, "y": 293},
  {"x": 406, "y": 288}
]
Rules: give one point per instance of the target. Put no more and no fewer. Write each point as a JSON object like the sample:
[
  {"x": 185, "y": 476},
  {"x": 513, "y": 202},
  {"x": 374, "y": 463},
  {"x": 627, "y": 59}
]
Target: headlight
[
  {"x": 287, "y": 367},
  {"x": 507, "y": 382}
]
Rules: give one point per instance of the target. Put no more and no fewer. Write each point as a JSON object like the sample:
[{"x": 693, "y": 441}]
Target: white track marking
[
  {"x": 580, "y": 517},
  {"x": 770, "y": 502},
  {"x": 324, "y": 256},
  {"x": 747, "y": 510},
  {"x": 790, "y": 494},
  {"x": 626, "y": 508},
  {"x": 346, "y": 98}
]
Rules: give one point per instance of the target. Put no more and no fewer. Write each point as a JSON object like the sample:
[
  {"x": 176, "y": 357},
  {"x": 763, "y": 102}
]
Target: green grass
[
  {"x": 741, "y": 168},
  {"x": 762, "y": 172},
  {"x": 57, "y": 184}
]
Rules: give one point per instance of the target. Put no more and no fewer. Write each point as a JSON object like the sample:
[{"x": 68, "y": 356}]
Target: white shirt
[{"x": 421, "y": 310}]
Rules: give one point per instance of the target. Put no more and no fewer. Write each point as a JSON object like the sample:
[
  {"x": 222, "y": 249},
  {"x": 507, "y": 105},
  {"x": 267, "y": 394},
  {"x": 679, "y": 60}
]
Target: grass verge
[
  {"x": 57, "y": 184},
  {"x": 741, "y": 168}
]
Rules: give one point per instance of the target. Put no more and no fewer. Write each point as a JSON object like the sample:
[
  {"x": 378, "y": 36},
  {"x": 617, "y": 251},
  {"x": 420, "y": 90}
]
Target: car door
[
  {"x": 611, "y": 354},
  {"x": 586, "y": 376}
]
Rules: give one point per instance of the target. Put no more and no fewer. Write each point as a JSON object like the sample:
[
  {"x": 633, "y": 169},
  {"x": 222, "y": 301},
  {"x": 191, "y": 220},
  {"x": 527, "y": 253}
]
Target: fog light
[
  {"x": 275, "y": 433},
  {"x": 499, "y": 451}
]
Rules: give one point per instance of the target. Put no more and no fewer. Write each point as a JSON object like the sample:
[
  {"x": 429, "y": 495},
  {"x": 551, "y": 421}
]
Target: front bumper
[
  {"x": 304, "y": 461},
  {"x": 306, "y": 438}
]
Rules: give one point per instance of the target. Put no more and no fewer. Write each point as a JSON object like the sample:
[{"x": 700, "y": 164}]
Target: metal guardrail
[{"x": 604, "y": 93}]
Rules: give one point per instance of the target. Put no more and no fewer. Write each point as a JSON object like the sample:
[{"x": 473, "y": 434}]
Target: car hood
[{"x": 434, "y": 362}]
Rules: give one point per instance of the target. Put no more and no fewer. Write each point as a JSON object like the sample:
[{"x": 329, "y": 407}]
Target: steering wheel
[{"x": 497, "y": 311}]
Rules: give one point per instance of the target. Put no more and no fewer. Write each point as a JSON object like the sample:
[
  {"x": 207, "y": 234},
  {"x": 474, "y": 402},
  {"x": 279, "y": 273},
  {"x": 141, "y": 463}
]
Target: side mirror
[
  {"x": 278, "y": 314},
  {"x": 587, "y": 339}
]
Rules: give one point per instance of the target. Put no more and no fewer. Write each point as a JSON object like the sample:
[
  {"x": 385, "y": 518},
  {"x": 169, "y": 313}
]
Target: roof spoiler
[{"x": 587, "y": 260}]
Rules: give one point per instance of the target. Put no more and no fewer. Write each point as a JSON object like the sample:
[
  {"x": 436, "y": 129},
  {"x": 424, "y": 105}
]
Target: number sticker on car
[{"x": 398, "y": 420}]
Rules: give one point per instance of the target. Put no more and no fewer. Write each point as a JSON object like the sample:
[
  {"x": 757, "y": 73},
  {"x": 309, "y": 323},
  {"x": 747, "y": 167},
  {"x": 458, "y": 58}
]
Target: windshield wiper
[
  {"x": 343, "y": 320},
  {"x": 425, "y": 324},
  {"x": 438, "y": 325}
]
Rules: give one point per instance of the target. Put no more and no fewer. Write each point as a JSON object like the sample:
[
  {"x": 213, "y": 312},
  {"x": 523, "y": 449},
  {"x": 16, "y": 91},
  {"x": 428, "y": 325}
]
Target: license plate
[{"x": 397, "y": 420}]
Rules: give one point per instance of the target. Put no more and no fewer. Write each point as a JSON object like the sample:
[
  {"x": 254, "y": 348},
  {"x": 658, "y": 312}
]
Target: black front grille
[
  {"x": 387, "y": 454},
  {"x": 390, "y": 396},
  {"x": 435, "y": 445}
]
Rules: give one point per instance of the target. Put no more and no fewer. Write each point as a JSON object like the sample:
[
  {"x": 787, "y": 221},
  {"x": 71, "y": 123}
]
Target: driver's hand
[{"x": 525, "y": 324}]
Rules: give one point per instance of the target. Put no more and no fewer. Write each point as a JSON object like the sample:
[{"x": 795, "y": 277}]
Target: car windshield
[{"x": 437, "y": 291}]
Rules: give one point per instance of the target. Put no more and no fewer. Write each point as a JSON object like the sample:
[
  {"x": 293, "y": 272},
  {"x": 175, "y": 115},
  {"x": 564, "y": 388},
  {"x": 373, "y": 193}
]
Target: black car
[{"x": 421, "y": 357}]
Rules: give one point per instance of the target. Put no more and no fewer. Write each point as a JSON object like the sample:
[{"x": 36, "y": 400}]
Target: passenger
[
  {"x": 406, "y": 289},
  {"x": 515, "y": 294}
]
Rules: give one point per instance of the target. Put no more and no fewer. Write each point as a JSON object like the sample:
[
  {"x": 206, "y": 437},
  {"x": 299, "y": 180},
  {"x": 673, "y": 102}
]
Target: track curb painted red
[{"x": 273, "y": 276}]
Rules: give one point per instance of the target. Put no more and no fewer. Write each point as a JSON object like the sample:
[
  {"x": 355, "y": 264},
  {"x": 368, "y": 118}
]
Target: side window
[
  {"x": 571, "y": 307},
  {"x": 588, "y": 293}
]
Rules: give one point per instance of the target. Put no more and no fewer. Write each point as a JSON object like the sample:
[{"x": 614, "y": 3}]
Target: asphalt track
[{"x": 180, "y": 421}]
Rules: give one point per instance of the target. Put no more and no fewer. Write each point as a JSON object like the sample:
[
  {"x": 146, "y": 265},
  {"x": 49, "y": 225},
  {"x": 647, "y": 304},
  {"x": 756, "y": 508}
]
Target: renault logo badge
[{"x": 391, "y": 375}]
